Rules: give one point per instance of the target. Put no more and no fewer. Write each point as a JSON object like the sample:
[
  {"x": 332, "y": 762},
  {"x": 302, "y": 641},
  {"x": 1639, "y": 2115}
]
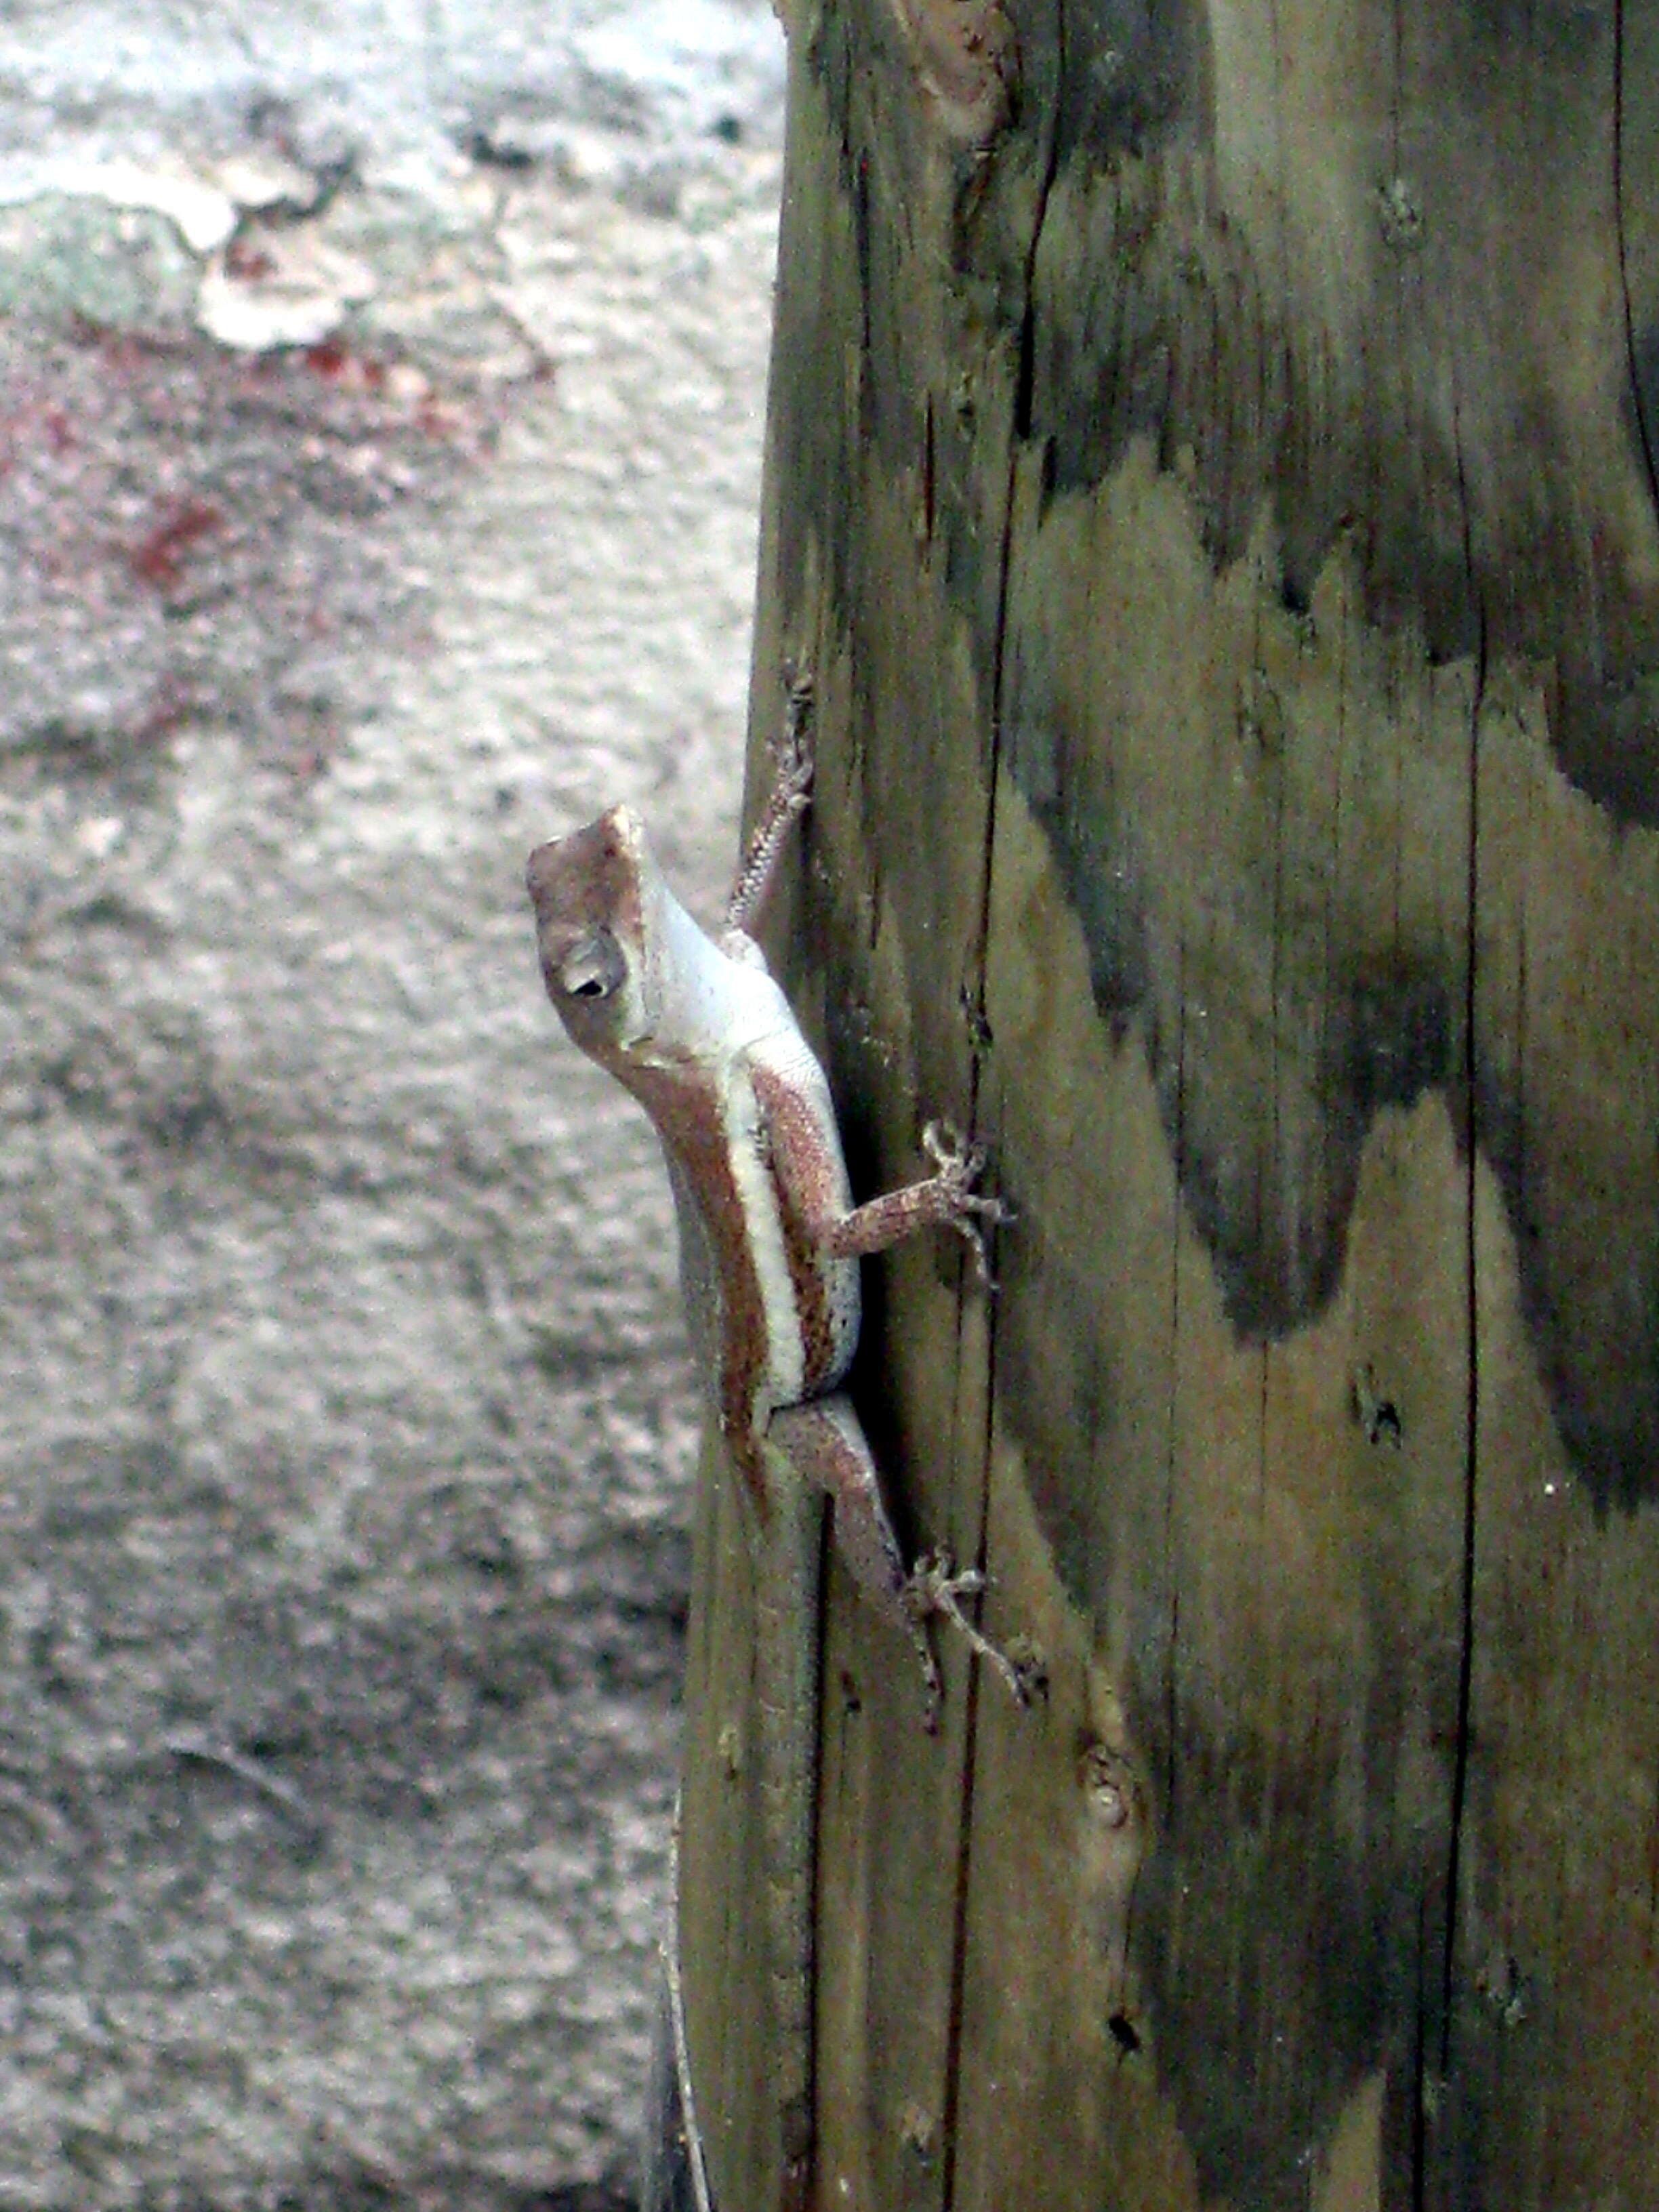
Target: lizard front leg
[
  {"x": 945, "y": 1199},
  {"x": 789, "y": 797}
]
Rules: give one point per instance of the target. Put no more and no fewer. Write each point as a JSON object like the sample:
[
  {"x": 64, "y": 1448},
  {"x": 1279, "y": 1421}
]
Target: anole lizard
[{"x": 770, "y": 1246}]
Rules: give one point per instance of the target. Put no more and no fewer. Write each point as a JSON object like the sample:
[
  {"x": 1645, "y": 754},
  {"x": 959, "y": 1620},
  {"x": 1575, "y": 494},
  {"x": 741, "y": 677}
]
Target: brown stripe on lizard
[
  {"x": 730, "y": 1343},
  {"x": 809, "y": 1190}
]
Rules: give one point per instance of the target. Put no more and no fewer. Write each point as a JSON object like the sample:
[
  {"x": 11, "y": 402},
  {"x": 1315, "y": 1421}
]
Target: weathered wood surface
[{"x": 1212, "y": 475}]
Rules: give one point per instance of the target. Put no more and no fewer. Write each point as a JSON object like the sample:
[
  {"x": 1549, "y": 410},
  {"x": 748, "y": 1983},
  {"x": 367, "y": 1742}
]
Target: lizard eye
[{"x": 594, "y": 969}]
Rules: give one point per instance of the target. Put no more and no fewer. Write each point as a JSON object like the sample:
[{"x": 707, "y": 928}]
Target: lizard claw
[
  {"x": 790, "y": 797},
  {"x": 958, "y": 1165},
  {"x": 793, "y": 750},
  {"x": 935, "y": 1586}
]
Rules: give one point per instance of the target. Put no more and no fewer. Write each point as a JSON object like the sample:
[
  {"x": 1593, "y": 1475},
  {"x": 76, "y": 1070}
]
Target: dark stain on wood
[
  {"x": 1143, "y": 75},
  {"x": 1456, "y": 481}
]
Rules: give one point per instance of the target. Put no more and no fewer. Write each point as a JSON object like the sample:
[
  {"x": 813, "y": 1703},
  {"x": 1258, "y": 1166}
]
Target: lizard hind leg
[{"x": 824, "y": 1443}]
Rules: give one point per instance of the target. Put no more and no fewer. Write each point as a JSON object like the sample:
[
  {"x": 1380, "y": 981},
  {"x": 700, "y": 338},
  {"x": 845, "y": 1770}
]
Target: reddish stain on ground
[
  {"x": 342, "y": 364},
  {"x": 158, "y": 557},
  {"x": 248, "y": 261}
]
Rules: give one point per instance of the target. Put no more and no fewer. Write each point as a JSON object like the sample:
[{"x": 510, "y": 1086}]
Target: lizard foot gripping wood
[{"x": 770, "y": 1244}]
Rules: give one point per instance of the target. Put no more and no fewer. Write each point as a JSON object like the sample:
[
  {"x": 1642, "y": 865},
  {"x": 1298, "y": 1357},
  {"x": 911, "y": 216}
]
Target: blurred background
[{"x": 381, "y": 391}]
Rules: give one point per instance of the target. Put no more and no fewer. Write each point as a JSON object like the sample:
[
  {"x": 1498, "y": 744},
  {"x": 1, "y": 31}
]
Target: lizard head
[{"x": 591, "y": 893}]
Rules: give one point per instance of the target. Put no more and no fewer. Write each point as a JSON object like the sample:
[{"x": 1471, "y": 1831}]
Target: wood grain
[{"x": 1220, "y": 511}]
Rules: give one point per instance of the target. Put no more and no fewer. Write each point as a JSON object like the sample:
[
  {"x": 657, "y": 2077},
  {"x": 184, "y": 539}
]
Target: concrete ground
[{"x": 381, "y": 398}]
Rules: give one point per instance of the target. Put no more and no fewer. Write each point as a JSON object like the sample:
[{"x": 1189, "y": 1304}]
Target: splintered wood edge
[{"x": 966, "y": 56}]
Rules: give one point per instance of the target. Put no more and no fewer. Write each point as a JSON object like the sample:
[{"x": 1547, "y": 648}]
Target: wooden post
[{"x": 1213, "y": 478}]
